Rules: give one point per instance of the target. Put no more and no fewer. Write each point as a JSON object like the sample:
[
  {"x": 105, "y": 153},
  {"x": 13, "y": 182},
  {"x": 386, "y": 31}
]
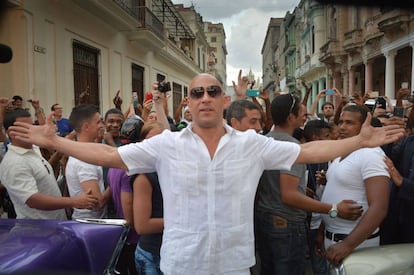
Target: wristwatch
[{"x": 333, "y": 213}]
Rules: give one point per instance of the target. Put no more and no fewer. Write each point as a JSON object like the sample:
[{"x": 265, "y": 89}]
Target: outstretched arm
[
  {"x": 45, "y": 136},
  {"x": 326, "y": 150}
]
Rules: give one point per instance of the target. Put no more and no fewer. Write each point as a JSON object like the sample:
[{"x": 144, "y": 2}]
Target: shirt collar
[
  {"x": 19, "y": 150},
  {"x": 189, "y": 129}
]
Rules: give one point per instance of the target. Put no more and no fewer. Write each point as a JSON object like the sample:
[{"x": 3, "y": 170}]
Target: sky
[{"x": 245, "y": 24}]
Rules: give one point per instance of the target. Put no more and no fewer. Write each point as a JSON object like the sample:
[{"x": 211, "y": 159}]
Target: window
[
  {"x": 138, "y": 81},
  {"x": 198, "y": 56},
  {"x": 313, "y": 40},
  {"x": 213, "y": 39},
  {"x": 86, "y": 71}
]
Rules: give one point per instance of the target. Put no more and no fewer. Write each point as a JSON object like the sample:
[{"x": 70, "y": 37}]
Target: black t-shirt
[{"x": 152, "y": 242}]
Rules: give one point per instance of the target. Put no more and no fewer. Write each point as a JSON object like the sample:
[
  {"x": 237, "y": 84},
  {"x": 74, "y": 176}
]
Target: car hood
[
  {"x": 56, "y": 246},
  {"x": 383, "y": 260}
]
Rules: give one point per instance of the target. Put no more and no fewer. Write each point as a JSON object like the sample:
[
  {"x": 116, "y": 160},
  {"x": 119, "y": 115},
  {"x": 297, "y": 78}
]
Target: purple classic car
[{"x": 60, "y": 247}]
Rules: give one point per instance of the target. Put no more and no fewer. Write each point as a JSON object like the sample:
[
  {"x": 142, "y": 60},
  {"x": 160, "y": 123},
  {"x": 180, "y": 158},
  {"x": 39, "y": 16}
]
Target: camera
[
  {"x": 380, "y": 102},
  {"x": 164, "y": 87}
]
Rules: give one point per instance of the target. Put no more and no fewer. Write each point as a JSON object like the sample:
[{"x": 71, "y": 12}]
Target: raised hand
[
  {"x": 378, "y": 136},
  {"x": 42, "y": 135},
  {"x": 84, "y": 96},
  {"x": 241, "y": 87},
  {"x": 117, "y": 100}
]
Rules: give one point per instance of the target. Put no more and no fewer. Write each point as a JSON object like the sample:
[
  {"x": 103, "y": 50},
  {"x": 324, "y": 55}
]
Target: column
[
  {"x": 368, "y": 75},
  {"x": 337, "y": 84},
  {"x": 329, "y": 83},
  {"x": 345, "y": 90},
  {"x": 390, "y": 73},
  {"x": 351, "y": 85},
  {"x": 337, "y": 80}
]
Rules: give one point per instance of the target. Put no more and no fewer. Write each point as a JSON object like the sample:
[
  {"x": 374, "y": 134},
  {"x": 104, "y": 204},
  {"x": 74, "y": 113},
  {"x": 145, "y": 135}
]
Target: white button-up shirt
[
  {"x": 208, "y": 203},
  {"x": 24, "y": 172}
]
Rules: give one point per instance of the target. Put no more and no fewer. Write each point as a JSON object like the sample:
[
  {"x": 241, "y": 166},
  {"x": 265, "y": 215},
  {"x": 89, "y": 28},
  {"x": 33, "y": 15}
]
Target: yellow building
[{"x": 62, "y": 48}]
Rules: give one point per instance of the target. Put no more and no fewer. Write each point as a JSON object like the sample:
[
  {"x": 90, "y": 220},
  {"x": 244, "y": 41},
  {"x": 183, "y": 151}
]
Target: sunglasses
[{"x": 212, "y": 90}]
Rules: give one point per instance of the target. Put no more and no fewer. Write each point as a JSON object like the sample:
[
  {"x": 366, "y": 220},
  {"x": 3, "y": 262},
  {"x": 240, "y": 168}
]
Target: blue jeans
[
  {"x": 146, "y": 262},
  {"x": 319, "y": 263},
  {"x": 282, "y": 245}
]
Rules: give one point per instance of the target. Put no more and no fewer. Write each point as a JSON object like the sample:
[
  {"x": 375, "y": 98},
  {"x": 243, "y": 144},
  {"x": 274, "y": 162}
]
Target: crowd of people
[{"x": 222, "y": 187}]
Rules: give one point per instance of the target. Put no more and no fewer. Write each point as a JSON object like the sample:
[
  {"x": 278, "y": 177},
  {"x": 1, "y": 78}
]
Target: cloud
[{"x": 219, "y": 9}]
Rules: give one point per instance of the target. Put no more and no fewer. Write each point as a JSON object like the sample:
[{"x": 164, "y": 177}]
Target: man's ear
[
  {"x": 85, "y": 126},
  {"x": 234, "y": 122},
  {"x": 227, "y": 101},
  {"x": 290, "y": 117}
]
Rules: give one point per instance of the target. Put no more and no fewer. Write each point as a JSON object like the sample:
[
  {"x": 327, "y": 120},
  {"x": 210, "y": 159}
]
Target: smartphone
[
  {"x": 269, "y": 86},
  {"x": 148, "y": 96},
  {"x": 399, "y": 111},
  {"x": 253, "y": 92},
  {"x": 380, "y": 103},
  {"x": 135, "y": 96},
  {"x": 330, "y": 92}
]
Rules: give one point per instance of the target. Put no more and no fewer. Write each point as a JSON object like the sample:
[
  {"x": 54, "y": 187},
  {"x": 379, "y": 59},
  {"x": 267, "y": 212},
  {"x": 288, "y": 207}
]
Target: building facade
[
  {"x": 217, "y": 54},
  {"x": 269, "y": 65},
  {"x": 62, "y": 48},
  {"x": 355, "y": 49}
]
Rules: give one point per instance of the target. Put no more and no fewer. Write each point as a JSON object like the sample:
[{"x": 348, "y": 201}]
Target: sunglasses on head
[
  {"x": 212, "y": 90},
  {"x": 293, "y": 103}
]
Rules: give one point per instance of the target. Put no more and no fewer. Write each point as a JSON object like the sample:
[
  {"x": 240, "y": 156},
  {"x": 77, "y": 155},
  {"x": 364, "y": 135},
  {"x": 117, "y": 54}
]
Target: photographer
[{"x": 328, "y": 108}]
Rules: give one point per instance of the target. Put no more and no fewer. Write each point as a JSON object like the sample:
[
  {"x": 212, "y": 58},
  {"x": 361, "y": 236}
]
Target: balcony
[
  {"x": 353, "y": 41},
  {"x": 158, "y": 24},
  {"x": 393, "y": 21},
  {"x": 115, "y": 13},
  {"x": 329, "y": 51}
]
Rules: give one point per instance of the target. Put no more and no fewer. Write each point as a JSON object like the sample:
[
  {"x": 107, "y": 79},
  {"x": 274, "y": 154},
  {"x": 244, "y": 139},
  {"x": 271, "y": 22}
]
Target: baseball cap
[{"x": 6, "y": 53}]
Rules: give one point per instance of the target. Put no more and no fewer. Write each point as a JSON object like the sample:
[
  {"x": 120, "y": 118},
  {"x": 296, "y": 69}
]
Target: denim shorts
[{"x": 146, "y": 262}]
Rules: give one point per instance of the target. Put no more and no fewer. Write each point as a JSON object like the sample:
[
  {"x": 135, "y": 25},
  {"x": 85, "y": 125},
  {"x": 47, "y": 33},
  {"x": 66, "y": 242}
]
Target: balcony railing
[
  {"x": 353, "y": 40},
  {"x": 144, "y": 16}
]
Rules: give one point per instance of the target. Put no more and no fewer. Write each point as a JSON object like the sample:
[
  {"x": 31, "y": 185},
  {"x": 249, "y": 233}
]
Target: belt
[{"x": 339, "y": 237}]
